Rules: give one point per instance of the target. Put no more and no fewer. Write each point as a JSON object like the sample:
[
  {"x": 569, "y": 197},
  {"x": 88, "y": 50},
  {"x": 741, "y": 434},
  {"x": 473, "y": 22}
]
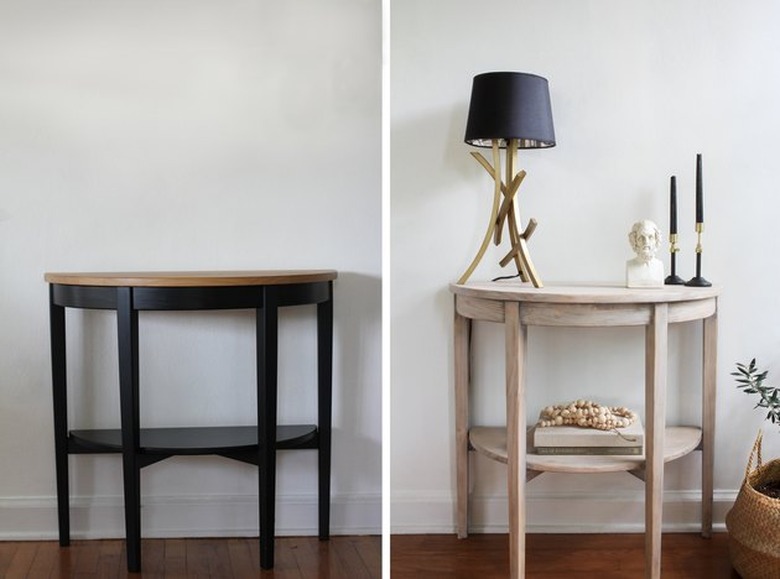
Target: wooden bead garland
[{"x": 587, "y": 414}]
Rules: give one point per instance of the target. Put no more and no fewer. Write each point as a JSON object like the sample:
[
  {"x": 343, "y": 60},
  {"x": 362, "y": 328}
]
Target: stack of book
[{"x": 577, "y": 440}]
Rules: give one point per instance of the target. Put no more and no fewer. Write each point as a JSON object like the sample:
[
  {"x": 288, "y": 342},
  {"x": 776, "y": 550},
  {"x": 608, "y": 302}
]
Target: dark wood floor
[
  {"x": 296, "y": 557},
  {"x": 685, "y": 556}
]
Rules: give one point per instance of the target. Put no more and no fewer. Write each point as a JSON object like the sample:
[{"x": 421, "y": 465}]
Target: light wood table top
[
  {"x": 512, "y": 291},
  {"x": 192, "y": 278}
]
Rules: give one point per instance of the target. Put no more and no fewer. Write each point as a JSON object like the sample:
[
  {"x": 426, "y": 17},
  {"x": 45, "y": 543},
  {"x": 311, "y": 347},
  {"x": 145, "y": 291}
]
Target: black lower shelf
[{"x": 220, "y": 440}]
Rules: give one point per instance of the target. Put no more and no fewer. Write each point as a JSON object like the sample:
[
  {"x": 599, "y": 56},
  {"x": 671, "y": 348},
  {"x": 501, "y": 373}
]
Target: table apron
[
  {"x": 191, "y": 298},
  {"x": 584, "y": 315}
]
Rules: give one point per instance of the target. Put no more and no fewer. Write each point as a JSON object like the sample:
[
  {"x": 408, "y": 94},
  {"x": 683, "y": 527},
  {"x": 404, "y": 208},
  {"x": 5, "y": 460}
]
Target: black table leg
[
  {"x": 267, "y": 367},
  {"x": 60, "y": 398},
  {"x": 127, "y": 329},
  {"x": 324, "y": 406}
]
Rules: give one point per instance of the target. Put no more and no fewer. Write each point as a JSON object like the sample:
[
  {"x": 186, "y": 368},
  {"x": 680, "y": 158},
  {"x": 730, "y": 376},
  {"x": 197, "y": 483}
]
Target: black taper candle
[
  {"x": 699, "y": 192},
  {"x": 673, "y": 205}
]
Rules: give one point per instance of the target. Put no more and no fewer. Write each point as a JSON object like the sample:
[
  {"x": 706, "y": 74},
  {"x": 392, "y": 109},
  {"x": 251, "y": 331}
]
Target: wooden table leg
[
  {"x": 267, "y": 369},
  {"x": 709, "y": 372},
  {"x": 656, "y": 345},
  {"x": 127, "y": 332},
  {"x": 516, "y": 435},
  {"x": 462, "y": 333}
]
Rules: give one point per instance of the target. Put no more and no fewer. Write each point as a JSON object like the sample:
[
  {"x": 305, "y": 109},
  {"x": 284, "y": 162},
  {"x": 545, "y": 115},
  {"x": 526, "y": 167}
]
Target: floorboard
[
  {"x": 234, "y": 558},
  {"x": 607, "y": 556}
]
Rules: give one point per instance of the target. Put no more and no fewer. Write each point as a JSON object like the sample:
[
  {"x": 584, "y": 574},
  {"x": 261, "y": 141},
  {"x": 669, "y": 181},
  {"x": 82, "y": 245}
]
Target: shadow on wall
[{"x": 357, "y": 381}]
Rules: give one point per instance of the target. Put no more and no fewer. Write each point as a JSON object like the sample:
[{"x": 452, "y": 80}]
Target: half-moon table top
[
  {"x": 514, "y": 291},
  {"x": 193, "y": 278}
]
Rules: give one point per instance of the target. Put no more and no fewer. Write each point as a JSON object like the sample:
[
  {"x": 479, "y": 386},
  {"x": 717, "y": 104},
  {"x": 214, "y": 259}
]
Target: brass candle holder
[
  {"x": 698, "y": 280},
  {"x": 673, "y": 278}
]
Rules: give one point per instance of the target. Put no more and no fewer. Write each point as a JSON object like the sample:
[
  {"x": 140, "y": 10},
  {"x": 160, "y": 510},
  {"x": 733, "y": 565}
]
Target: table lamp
[{"x": 510, "y": 111}]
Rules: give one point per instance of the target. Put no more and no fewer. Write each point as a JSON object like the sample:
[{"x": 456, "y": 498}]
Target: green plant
[{"x": 751, "y": 380}]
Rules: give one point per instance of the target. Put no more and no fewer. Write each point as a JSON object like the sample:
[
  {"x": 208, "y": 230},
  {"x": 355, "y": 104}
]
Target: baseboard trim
[
  {"x": 35, "y": 518},
  {"x": 434, "y": 513}
]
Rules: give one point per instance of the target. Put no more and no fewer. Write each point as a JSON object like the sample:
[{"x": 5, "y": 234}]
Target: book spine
[
  {"x": 588, "y": 442},
  {"x": 590, "y": 450}
]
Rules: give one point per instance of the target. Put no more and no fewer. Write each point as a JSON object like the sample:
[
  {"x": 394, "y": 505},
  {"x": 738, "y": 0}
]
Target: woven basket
[{"x": 754, "y": 521}]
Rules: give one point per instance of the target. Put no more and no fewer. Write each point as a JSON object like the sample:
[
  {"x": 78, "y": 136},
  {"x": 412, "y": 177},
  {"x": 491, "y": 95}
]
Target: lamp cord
[{"x": 505, "y": 277}]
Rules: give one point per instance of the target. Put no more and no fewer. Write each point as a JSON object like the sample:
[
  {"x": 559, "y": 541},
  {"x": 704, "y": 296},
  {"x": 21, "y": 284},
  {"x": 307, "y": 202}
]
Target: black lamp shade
[{"x": 510, "y": 105}]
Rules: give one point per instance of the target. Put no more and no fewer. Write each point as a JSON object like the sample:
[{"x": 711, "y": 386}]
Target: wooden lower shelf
[
  {"x": 192, "y": 440},
  {"x": 491, "y": 441}
]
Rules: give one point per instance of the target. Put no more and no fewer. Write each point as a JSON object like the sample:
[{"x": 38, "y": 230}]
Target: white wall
[
  {"x": 188, "y": 135},
  {"x": 638, "y": 88}
]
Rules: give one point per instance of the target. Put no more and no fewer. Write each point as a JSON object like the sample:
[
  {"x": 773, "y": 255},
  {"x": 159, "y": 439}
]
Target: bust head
[{"x": 645, "y": 239}]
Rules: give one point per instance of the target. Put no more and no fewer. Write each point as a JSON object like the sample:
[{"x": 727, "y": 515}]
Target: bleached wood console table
[
  {"x": 518, "y": 306},
  {"x": 128, "y": 294}
]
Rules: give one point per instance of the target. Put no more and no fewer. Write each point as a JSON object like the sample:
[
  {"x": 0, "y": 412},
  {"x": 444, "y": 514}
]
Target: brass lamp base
[{"x": 505, "y": 211}]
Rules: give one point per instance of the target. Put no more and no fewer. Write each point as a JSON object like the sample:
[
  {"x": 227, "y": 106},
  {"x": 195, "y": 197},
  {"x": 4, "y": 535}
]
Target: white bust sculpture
[{"x": 645, "y": 270}]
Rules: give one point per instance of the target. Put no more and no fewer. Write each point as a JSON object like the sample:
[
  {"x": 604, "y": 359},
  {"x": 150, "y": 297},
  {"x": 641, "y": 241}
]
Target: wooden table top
[
  {"x": 192, "y": 278},
  {"x": 513, "y": 291}
]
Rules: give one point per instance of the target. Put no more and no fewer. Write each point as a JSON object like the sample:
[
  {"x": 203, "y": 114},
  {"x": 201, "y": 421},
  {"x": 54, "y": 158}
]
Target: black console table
[{"x": 130, "y": 293}]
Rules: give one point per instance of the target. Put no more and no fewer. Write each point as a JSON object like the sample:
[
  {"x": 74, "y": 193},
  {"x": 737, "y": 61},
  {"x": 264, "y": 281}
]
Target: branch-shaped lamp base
[{"x": 506, "y": 212}]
